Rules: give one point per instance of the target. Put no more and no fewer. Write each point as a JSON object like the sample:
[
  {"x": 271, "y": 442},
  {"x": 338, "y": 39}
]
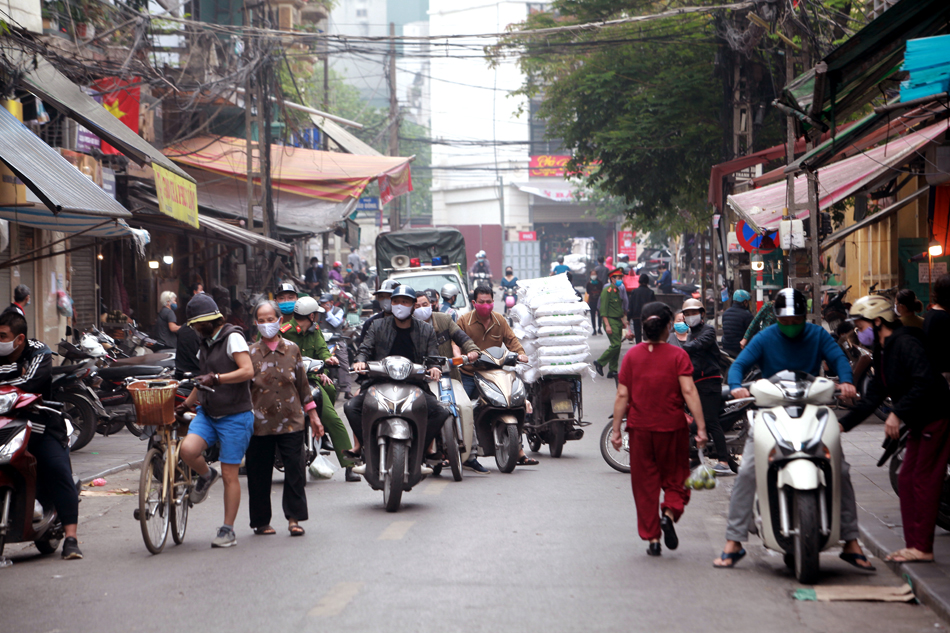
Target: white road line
[
  {"x": 395, "y": 531},
  {"x": 336, "y": 600},
  {"x": 435, "y": 488}
]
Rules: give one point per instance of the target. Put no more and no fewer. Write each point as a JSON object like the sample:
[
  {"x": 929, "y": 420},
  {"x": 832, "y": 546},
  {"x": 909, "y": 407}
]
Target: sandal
[
  {"x": 735, "y": 557},
  {"x": 855, "y": 560},
  {"x": 296, "y": 530},
  {"x": 524, "y": 460},
  {"x": 908, "y": 556},
  {"x": 264, "y": 530}
]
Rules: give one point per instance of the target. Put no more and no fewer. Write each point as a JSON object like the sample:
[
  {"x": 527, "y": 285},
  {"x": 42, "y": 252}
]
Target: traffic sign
[{"x": 752, "y": 241}]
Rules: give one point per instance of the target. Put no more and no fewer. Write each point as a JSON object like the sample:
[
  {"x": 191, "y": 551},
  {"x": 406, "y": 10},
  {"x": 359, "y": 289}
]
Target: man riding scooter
[
  {"x": 333, "y": 320},
  {"x": 791, "y": 344}
]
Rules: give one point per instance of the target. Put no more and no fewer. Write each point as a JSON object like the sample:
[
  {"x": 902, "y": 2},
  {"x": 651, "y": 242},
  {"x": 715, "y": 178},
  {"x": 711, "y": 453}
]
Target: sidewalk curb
[
  {"x": 111, "y": 471},
  {"x": 930, "y": 584}
]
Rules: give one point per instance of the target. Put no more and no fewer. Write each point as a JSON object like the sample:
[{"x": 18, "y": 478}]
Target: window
[{"x": 361, "y": 13}]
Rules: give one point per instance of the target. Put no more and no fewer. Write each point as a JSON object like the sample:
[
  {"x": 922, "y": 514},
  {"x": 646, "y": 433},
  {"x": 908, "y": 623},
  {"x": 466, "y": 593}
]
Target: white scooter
[{"x": 798, "y": 468}]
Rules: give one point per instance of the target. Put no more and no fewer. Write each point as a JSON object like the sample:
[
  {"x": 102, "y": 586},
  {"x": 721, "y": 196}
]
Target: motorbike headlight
[
  {"x": 517, "y": 392},
  {"x": 7, "y": 401},
  {"x": 397, "y": 367},
  {"x": 8, "y": 450},
  {"x": 491, "y": 392}
]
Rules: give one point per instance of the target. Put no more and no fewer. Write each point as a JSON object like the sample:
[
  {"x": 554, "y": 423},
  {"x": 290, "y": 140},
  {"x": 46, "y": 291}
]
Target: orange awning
[{"x": 331, "y": 176}]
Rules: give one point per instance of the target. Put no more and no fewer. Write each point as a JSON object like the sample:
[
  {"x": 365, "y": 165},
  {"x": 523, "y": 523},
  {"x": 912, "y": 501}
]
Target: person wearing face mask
[
  {"x": 403, "y": 336},
  {"x": 335, "y": 274},
  {"x": 679, "y": 332},
  {"x": 639, "y": 297},
  {"x": 613, "y": 312},
  {"x": 908, "y": 306},
  {"x": 28, "y": 364},
  {"x": 21, "y": 299},
  {"x": 166, "y": 327},
  {"x": 384, "y": 301},
  {"x": 333, "y": 319},
  {"x": 735, "y": 321},
  {"x": 919, "y": 395},
  {"x": 311, "y": 278},
  {"x": 223, "y": 414},
  {"x": 594, "y": 288},
  {"x": 449, "y": 293},
  {"x": 794, "y": 345}
]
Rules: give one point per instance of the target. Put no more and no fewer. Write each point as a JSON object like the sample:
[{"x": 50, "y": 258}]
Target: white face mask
[
  {"x": 422, "y": 314},
  {"x": 402, "y": 312},
  {"x": 694, "y": 320},
  {"x": 269, "y": 330},
  {"x": 7, "y": 347},
  {"x": 386, "y": 304}
]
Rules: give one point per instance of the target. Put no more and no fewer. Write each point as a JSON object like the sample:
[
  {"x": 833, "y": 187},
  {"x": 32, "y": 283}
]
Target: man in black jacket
[
  {"x": 639, "y": 297},
  {"x": 735, "y": 322},
  {"x": 707, "y": 374},
  {"x": 28, "y": 365}
]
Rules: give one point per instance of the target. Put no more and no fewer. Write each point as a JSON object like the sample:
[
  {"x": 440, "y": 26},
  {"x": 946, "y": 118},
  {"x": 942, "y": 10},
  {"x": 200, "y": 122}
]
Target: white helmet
[
  {"x": 873, "y": 307},
  {"x": 449, "y": 291},
  {"x": 480, "y": 255},
  {"x": 306, "y": 306},
  {"x": 387, "y": 288}
]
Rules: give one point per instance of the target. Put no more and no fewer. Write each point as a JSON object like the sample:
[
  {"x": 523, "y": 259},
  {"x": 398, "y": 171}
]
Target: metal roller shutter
[{"x": 82, "y": 281}]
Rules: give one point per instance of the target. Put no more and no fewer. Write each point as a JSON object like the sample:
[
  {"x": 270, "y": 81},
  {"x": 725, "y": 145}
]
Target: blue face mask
[
  {"x": 681, "y": 327},
  {"x": 619, "y": 283},
  {"x": 174, "y": 306},
  {"x": 286, "y": 307}
]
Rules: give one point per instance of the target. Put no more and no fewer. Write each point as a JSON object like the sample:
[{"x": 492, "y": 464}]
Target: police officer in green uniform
[
  {"x": 613, "y": 310},
  {"x": 298, "y": 325}
]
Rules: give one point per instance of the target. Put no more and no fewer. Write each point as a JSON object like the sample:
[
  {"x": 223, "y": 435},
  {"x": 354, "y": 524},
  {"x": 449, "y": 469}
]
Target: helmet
[
  {"x": 335, "y": 264},
  {"x": 560, "y": 259},
  {"x": 480, "y": 255},
  {"x": 790, "y": 303},
  {"x": 404, "y": 291},
  {"x": 449, "y": 291},
  {"x": 201, "y": 308},
  {"x": 306, "y": 306},
  {"x": 286, "y": 287},
  {"x": 325, "y": 297},
  {"x": 387, "y": 287},
  {"x": 741, "y": 295},
  {"x": 693, "y": 304},
  {"x": 873, "y": 307}
]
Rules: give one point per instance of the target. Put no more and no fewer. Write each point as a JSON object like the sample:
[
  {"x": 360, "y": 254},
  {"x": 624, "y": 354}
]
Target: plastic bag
[
  {"x": 548, "y": 341},
  {"x": 321, "y": 467},
  {"x": 702, "y": 477},
  {"x": 569, "y": 359},
  {"x": 562, "y": 320},
  {"x": 573, "y": 368},
  {"x": 563, "y": 350},
  {"x": 560, "y": 309}
]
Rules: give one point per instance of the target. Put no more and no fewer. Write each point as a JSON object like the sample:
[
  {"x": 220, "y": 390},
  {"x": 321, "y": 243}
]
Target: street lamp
[
  {"x": 935, "y": 249},
  {"x": 168, "y": 259},
  {"x": 153, "y": 264}
]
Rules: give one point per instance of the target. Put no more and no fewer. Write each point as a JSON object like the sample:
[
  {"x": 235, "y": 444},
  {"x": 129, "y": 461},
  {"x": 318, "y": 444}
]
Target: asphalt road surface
[{"x": 546, "y": 548}]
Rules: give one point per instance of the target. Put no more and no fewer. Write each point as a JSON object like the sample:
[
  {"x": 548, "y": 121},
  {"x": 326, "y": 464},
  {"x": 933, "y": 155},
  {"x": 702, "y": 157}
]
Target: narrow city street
[{"x": 547, "y": 548}]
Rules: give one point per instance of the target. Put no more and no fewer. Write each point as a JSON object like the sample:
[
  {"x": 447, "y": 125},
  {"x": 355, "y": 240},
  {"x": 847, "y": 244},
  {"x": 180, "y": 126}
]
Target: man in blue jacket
[{"x": 791, "y": 344}]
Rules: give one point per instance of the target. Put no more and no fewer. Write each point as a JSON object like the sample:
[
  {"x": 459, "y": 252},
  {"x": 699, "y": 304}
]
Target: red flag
[
  {"x": 395, "y": 182},
  {"x": 122, "y": 102}
]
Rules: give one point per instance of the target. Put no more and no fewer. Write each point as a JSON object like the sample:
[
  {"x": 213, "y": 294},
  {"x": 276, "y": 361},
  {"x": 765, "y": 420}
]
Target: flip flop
[
  {"x": 264, "y": 530},
  {"x": 296, "y": 530},
  {"x": 853, "y": 560},
  {"x": 735, "y": 557},
  {"x": 524, "y": 460}
]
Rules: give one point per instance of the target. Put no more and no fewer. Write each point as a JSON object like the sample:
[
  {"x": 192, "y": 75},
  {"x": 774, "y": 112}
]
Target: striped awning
[{"x": 71, "y": 223}]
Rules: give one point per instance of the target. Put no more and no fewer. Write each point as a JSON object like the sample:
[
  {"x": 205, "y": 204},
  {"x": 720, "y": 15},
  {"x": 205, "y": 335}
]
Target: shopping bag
[
  {"x": 321, "y": 467},
  {"x": 702, "y": 477}
]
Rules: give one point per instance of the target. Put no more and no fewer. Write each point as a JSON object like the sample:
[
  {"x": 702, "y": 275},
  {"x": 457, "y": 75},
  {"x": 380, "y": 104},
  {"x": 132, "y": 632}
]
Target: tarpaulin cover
[
  {"x": 332, "y": 176},
  {"x": 762, "y": 208},
  {"x": 422, "y": 243}
]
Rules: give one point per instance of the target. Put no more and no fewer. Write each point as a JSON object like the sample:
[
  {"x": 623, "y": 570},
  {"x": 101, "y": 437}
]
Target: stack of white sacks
[{"x": 553, "y": 325}]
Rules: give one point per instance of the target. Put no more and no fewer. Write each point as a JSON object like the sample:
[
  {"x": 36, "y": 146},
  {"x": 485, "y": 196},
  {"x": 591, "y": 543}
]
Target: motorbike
[
  {"x": 480, "y": 279},
  {"x": 618, "y": 460},
  {"x": 836, "y": 310},
  {"x": 862, "y": 368},
  {"x": 394, "y": 428},
  {"x": 80, "y": 402},
  {"x": 138, "y": 343},
  {"x": 510, "y": 296},
  {"x": 798, "y": 474},
  {"x": 451, "y": 441},
  {"x": 18, "y": 476},
  {"x": 894, "y": 452},
  {"x": 557, "y": 407},
  {"x": 500, "y": 408}
]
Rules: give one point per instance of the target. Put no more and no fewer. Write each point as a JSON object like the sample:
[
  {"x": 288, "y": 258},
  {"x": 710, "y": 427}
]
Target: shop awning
[
  {"x": 57, "y": 90},
  {"x": 762, "y": 208},
  {"x": 347, "y": 142},
  {"x": 51, "y": 177},
  {"x": 330, "y": 176},
  {"x": 71, "y": 223},
  {"x": 883, "y": 214}
]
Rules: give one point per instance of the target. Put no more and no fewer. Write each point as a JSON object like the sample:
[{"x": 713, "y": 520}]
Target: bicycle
[{"x": 166, "y": 481}]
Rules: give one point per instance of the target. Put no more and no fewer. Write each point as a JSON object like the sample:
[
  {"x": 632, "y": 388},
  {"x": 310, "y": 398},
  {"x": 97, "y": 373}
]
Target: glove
[{"x": 206, "y": 380}]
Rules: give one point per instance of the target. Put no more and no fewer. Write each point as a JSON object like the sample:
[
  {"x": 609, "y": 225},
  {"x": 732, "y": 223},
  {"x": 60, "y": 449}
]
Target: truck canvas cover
[{"x": 425, "y": 244}]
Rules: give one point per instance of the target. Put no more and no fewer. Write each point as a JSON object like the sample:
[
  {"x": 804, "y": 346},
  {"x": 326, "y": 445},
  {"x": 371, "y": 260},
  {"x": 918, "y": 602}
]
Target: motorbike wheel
[
  {"x": 132, "y": 424},
  {"x": 534, "y": 442},
  {"x": 618, "y": 460},
  {"x": 894, "y": 469},
  {"x": 557, "y": 436},
  {"x": 107, "y": 426},
  {"x": 179, "y": 501},
  {"x": 807, "y": 540},
  {"x": 47, "y": 546},
  {"x": 506, "y": 446},
  {"x": 154, "y": 507},
  {"x": 451, "y": 447},
  {"x": 394, "y": 476},
  {"x": 82, "y": 416}
]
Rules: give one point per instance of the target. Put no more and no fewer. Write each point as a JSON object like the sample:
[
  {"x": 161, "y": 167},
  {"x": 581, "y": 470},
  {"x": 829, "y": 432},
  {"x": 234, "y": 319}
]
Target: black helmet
[
  {"x": 790, "y": 303},
  {"x": 404, "y": 291}
]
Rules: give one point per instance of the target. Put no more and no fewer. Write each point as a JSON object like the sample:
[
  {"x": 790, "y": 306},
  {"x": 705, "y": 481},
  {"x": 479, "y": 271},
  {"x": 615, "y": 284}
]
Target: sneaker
[
  {"x": 473, "y": 465},
  {"x": 37, "y": 511},
  {"x": 359, "y": 469},
  {"x": 426, "y": 469},
  {"x": 722, "y": 470},
  {"x": 71, "y": 549},
  {"x": 225, "y": 538},
  {"x": 200, "y": 492}
]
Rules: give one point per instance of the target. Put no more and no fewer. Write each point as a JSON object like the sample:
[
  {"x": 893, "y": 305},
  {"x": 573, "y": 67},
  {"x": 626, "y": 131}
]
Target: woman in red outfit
[{"x": 655, "y": 380}]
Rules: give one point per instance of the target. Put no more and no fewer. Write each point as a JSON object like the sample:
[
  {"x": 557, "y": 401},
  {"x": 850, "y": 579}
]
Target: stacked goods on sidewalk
[{"x": 553, "y": 325}]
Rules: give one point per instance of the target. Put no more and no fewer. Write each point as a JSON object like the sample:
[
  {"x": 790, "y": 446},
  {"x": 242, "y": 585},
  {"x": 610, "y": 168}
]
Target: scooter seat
[
  {"x": 129, "y": 371},
  {"x": 64, "y": 369},
  {"x": 160, "y": 359}
]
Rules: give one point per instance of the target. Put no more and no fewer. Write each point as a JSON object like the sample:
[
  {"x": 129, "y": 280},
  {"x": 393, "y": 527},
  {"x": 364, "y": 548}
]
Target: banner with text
[{"x": 177, "y": 197}]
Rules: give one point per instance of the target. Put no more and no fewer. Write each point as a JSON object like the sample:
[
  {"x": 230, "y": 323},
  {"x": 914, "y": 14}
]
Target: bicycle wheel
[
  {"x": 153, "y": 505},
  {"x": 179, "y": 501}
]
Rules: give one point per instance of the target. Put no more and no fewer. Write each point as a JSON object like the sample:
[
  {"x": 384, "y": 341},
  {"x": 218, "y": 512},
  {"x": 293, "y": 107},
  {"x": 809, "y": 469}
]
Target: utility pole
[
  {"x": 326, "y": 93},
  {"x": 394, "y": 220},
  {"x": 265, "y": 79}
]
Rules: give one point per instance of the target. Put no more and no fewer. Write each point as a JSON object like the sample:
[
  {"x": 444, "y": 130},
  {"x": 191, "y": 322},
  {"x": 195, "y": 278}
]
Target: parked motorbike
[
  {"x": 836, "y": 310},
  {"x": 557, "y": 406},
  {"x": 394, "y": 428},
  {"x": 500, "y": 408},
  {"x": 138, "y": 343},
  {"x": 894, "y": 452},
  {"x": 798, "y": 477},
  {"x": 18, "y": 476},
  {"x": 79, "y": 401},
  {"x": 735, "y": 420}
]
